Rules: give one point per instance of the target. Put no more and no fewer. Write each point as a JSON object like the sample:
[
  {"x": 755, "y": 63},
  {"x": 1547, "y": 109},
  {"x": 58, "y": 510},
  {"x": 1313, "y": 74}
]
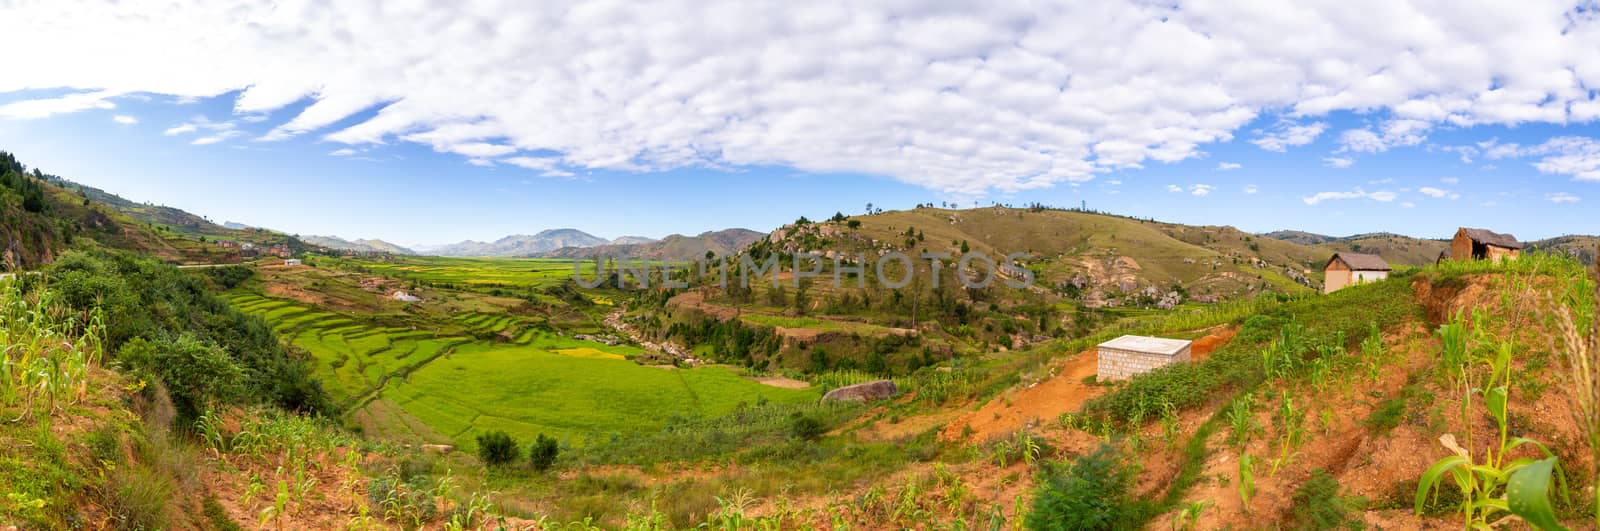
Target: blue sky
[{"x": 651, "y": 119}]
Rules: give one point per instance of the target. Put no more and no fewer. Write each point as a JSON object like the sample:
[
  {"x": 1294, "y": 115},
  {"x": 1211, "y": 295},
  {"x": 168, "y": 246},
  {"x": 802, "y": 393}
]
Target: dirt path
[
  {"x": 1043, "y": 402},
  {"x": 780, "y": 382}
]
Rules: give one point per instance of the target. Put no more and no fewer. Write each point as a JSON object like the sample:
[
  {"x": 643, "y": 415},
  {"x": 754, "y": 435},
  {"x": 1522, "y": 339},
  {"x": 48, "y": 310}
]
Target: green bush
[
  {"x": 805, "y": 427},
  {"x": 1093, "y": 493},
  {"x": 496, "y": 448},
  {"x": 542, "y": 455},
  {"x": 194, "y": 372}
]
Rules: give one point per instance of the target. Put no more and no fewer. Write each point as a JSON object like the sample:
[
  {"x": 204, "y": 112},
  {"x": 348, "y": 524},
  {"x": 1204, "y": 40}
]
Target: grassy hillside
[
  {"x": 36, "y": 229},
  {"x": 1396, "y": 249},
  {"x": 1103, "y": 257}
]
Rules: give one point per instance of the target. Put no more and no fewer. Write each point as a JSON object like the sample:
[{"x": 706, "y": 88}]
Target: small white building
[
  {"x": 292, "y": 262},
  {"x": 1126, "y": 356},
  {"x": 1348, "y": 269}
]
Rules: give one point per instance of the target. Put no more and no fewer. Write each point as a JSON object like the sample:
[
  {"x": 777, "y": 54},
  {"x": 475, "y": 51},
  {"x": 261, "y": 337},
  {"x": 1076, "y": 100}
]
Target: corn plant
[
  {"x": 1247, "y": 480},
  {"x": 1453, "y": 337},
  {"x": 45, "y": 350},
  {"x": 1292, "y": 426},
  {"x": 1492, "y": 483},
  {"x": 1241, "y": 420},
  {"x": 1170, "y": 424},
  {"x": 1189, "y": 515}
]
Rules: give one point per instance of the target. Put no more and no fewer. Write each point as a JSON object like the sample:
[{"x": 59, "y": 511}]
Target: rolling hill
[{"x": 1102, "y": 259}]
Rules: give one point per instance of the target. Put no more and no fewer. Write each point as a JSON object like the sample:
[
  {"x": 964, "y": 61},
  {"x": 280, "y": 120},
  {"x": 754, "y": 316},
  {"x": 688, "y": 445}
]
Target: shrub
[
  {"x": 194, "y": 372},
  {"x": 804, "y": 427},
  {"x": 542, "y": 455},
  {"x": 496, "y": 448},
  {"x": 1317, "y": 504},
  {"x": 1092, "y": 493}
]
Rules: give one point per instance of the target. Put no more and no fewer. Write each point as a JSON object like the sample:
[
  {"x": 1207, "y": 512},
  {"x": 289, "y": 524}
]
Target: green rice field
[
  {"x": 417, "y": 384},
  {"x": 479, "y": 272}
]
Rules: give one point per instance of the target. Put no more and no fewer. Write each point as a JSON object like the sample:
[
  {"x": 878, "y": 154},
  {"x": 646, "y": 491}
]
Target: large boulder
[{"x": 865, "y": 392}]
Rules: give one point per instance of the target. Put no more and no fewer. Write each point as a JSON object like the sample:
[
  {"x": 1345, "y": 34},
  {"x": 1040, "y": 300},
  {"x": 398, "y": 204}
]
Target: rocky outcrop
[{"x": 865, "y": 392}]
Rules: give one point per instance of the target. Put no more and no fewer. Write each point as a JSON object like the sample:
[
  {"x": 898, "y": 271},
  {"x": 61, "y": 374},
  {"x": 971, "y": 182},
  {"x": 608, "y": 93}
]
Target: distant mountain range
[
  {"x": 360, "y": 245},
  {"x": 518, "y": 245},
  {"x": 674, "y": 247}
]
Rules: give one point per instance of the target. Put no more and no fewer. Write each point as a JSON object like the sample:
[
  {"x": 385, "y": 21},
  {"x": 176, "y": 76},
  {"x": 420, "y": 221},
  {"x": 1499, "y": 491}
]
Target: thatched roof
[
  {"x": 1489, "y": 237},
  {"x": 1361, "y": 262}
]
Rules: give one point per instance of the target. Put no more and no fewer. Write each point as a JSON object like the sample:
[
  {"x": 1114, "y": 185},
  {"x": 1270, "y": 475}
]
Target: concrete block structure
[{"x": 1126, "y": 356}]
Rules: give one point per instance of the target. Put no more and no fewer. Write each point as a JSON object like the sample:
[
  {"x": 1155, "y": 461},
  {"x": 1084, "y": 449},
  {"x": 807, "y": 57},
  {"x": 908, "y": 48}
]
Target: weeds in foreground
[{"x": 1579, "y": 344}]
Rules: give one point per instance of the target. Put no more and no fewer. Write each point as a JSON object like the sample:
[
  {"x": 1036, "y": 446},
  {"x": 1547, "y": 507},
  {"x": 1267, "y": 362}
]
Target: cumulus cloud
[
  {"x": 960, "y": 100},
  {"x": 125, "y": 119},
  {"x": 1251, "y": 189},
  {"x": 1398, "y": 132},
  {"x": 1574, "y": 156},
  {"x": 1287, "y": 134},
  {"x": 1562, "y": 197},
  {"x": 1225, "y": 166},
  {"x": 1201, "y": 190},
  {"x": 1382, "y": 196},
  {"x": 1174, "y": 188}
]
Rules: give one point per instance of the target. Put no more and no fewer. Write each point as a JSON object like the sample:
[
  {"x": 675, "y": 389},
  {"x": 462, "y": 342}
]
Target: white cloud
[
  {"x": 547, "y": 166},
  {"x": 1225, "y": 166},
  {"x": 1439, "y": 192},
  {"x": 1251, "y": 189},
  {"x": 1287, "y": 134},
  {"x": 1201, "y": 190},
  {"x": 210, "y": 132},
  {"x": 1338, "y": 162},
  {"x": 1382, "y": 196},
  {"x": 1408, "y": 204},
  {"x": 1450, "y": 180},
  {"x": 125, "y": 119},
  {"x": 42, "y": 108},
  {"x": 1563, "y": 197},
  {"x": 960, "y": 99},
  {"x": 342, "y": 152},
  {"x": 1174, "y": 188},
  {"x": 1575, "y": 156},
  {"x": 1398, "y": 132}
]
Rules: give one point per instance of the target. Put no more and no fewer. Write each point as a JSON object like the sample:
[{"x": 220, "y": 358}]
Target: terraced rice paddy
[{"x": 443, "y": 384}]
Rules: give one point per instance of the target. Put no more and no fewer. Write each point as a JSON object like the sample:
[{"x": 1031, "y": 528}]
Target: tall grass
[{"x": 1579, "y": 344}]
